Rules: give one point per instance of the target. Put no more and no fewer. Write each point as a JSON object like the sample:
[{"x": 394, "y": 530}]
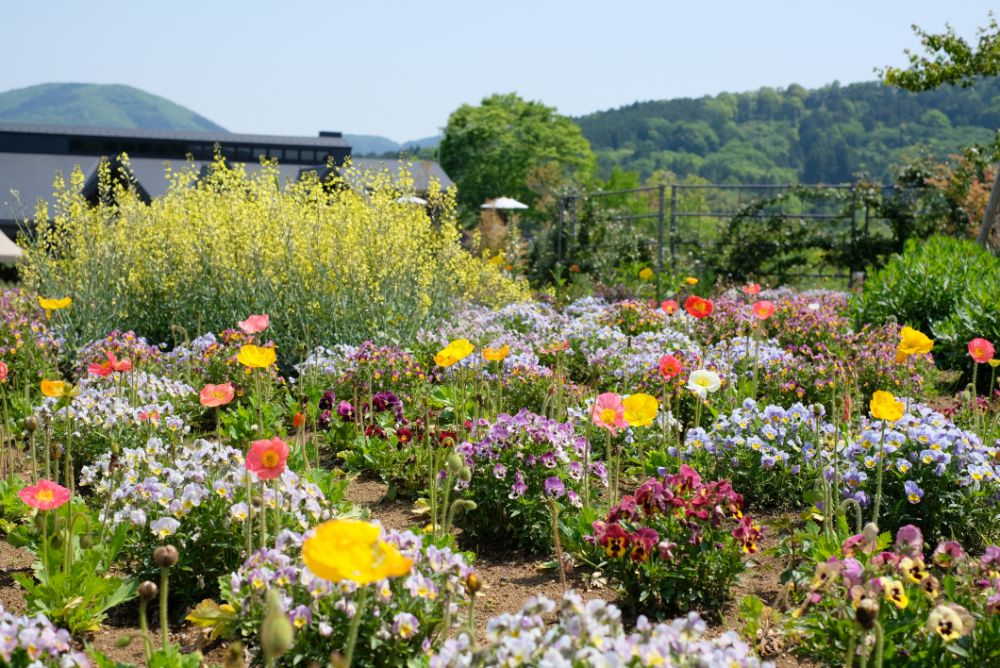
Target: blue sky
[{"x": 399, "y": 68}]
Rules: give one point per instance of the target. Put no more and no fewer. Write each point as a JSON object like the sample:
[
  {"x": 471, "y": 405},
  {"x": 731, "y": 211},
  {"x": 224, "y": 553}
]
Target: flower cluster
[
  {"x": 195, "y": 495},
  {"x": 123, "y": 345},
  {"x": 936, "y": 598},
  {"x": 364, "y": 368},
  {"x": 34, "y": 641},
  {"x": 402, "y": 613},
  {"x": 677, "y": 541},
  {"x": 513, "y": 461},
  {"x": 592, "y": 634}
]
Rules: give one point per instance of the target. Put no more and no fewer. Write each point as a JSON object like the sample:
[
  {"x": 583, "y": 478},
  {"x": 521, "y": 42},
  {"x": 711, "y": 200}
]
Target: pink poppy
[
  {"x": 763, "y": 309},
  {"x": 213, "y": 396},
  {"x": 751, "y": 288},
  {"x": 981, "y": 350},
  {"x": 45, "y": 495},
  {"x": 255, "y": 324},
  {"x": 109, "y": 365},
  {"x": 669, "y": 307},
  {"x": 609, "y": 412},
  {"x": 267, "y": 458},
  {"x": 4, "y": 371}
]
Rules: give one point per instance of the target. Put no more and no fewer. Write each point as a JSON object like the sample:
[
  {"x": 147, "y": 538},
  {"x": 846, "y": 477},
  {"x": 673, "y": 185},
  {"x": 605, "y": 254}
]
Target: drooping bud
[
  {"x": 472, "y": 584},
  {"x": 148, "y": 590},
  {"x": 166, "y": 556},
  {"x": 870, "y": 532},
  {"x": 867, "y": 613}
]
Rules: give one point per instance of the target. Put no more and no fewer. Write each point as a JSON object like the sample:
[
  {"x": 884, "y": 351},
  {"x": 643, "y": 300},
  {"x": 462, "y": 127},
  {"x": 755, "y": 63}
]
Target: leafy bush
[
  {"x": 947, "y": 287},
  {"x": 329, "y": 263}
]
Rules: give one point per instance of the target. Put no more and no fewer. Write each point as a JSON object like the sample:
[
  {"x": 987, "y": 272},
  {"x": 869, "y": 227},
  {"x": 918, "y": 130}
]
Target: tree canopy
[{"x": 499, "y": 147}]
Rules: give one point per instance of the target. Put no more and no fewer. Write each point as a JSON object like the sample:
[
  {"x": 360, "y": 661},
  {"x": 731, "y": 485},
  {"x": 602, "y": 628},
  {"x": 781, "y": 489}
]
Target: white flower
[
  {"x": 813, "y": 306},
  {"x": 704, "y": 382}
]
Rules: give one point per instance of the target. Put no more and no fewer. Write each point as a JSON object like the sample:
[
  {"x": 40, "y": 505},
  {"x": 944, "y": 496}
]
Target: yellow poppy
[
  {"x": 640, "y": 409},
  {"x": 691, "y": 280},
  {"x": 496, "y": 354},
  {"x": 884, "y": 406},
  {"x": 454, "y": 352},
  {"x": 913, "y": 342},
  {"x": 256, "y": 357},
  {"x": 51, "y": 305},
  {"x": 352, "y": 550},
  {"x": 54, "y": 388},
  {"x": 646, "y": 274}
]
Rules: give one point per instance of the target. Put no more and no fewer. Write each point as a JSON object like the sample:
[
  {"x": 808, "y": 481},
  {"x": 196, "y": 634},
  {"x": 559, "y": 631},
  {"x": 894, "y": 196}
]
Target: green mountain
[
  {"x": 827, "y": 135},
  {"x": 109, "y": 106}
]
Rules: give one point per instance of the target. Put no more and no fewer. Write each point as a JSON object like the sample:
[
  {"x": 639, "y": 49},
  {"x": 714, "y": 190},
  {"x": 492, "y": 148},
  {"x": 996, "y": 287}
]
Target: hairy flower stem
[
  {"x": 352, "y": 634},
  {"x": 147, "y": 644},
  {"x": 879, "y": 644},
  {"x": 878, "y": 479},
  {"x": 164, "y": 629},
  {"x": 609, "y": 467},
  {"x": 555, "y": 539}
]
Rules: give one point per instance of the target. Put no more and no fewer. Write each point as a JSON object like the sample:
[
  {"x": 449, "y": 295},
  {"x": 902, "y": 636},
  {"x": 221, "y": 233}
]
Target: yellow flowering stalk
[
  {"x": 223, "y": 241},
  {"x": 256, "y": 357}
]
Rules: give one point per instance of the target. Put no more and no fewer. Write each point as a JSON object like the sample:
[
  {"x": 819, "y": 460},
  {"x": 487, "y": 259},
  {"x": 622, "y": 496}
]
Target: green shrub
[{"x": 946, "y": 287}]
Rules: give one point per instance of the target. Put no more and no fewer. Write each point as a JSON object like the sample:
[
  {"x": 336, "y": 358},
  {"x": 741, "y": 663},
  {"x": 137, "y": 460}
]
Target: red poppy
[
  {"x": 45, "y": 495},
  {"x": 298, "y": 419},
  {"x": 109, "y": 365},
  {"x": 4, "y": 371},
  {"x": 670, "y": 366},
  {"x": 763, "y": 309},
  {"x": 751, "y": 288},
  {"x": 698, "y": 307},
  {"x": 267, "y": 458},
  {"x": 669, "y": 307}
]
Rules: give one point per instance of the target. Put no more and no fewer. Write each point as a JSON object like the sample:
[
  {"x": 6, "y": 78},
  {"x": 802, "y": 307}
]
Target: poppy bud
[
  {"x": 56, "y": 541},
  {"x": 455, "y": 463},
  {"x": 123, "y": 641},
  {"x": 40, "y": 521},
  {"x": 234, "y": 656},
  {"x": 31, "y": 423},
  {"x": 86, "y": 541},
  {"x": 867, "y": 613},
  {"x": 472, "y": 584},
  {"x": 148, "y": 590},
  {"x": 165, "y": 556},
  {"x": 465, "y": 475},
  {"x": 276, "y": 631},
  {"x": 870, "y": 532}
]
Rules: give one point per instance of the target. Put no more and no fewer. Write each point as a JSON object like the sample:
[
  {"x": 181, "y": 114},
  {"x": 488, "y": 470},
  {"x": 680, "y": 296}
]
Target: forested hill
[{"x": 827, "y": 135}]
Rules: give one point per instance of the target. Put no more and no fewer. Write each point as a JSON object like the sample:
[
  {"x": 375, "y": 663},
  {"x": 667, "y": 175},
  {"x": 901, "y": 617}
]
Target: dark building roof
[{"x": 31, "y": 155}]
